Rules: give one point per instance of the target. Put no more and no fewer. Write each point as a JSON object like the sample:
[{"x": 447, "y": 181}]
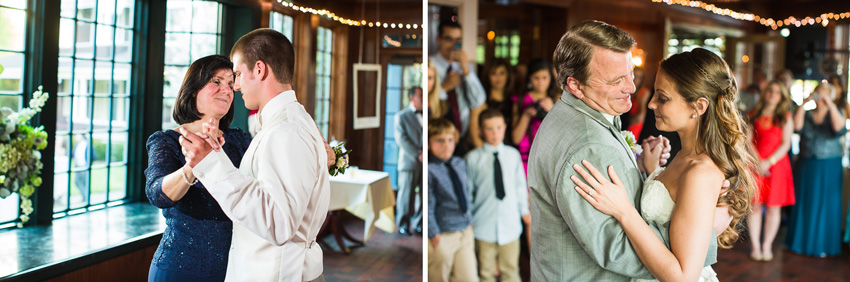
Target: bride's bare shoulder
[{"x": 702, "y": 170}]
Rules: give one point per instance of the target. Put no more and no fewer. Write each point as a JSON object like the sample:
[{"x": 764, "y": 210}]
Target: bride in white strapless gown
[{"x": 657, "y": 206}]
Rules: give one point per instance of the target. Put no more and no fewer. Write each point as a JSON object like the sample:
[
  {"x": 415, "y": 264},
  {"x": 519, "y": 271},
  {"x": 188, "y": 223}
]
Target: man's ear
[
  {"x": 261, "y": 69},
  {"x": 574, "y": 87}
]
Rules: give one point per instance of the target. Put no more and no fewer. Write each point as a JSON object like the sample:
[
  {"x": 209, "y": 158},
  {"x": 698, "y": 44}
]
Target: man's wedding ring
[{"x": 590, "y": 192}]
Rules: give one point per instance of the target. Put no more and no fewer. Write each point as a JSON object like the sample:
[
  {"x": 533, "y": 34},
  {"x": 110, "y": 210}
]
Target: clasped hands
[{"x": 197, "y": 145}]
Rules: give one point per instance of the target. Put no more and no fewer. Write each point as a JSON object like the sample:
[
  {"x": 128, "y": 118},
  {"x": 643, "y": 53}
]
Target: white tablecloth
[{"x": 367, "y": 194}]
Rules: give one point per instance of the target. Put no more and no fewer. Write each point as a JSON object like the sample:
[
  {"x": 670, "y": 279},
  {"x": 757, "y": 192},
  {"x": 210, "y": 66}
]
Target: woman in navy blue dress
[
  {"x": 815, "y": 226},
  {"x": 196, "y": 241}
]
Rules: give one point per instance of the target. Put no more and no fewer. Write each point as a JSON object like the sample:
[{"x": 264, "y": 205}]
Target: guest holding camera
[{"x": 531, "y": 108}]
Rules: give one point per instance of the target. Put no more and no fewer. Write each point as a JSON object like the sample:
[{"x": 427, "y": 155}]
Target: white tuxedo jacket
[{"x": 277, "y": 199}]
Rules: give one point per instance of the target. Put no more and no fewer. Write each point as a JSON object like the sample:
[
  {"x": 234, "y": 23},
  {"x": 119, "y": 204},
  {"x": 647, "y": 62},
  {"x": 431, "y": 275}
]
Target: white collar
[
  {"x": 275, "y": 105},
  {"x": 608, "y": 117}
]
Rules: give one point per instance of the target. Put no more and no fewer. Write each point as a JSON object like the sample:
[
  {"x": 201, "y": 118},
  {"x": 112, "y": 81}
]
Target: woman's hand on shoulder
[{"x": 609, "y": 197}]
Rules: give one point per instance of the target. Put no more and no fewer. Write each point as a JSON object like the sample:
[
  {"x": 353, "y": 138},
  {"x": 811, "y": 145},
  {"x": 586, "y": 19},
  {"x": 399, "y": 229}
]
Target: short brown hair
[
  {"x": 441, "y": 126},
  {"x": 575, "y": 50},
  {"x": 488, "y": 114},
  {"x": 269, "y": 46}
]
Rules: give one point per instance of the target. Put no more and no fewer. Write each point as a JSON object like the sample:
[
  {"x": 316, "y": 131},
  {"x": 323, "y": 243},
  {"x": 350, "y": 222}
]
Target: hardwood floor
[{"x": 385, "y": 257}]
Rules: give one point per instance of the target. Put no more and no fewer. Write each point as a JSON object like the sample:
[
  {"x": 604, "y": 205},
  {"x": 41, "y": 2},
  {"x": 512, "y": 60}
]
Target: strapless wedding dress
[{"x": 656, "y": 206}]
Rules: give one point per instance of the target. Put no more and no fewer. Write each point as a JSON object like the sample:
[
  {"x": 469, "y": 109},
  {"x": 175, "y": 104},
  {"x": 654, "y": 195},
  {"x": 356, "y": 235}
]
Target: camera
[
  {"x": 457, "y": 46},
  {"x": 541, "y": 113}
]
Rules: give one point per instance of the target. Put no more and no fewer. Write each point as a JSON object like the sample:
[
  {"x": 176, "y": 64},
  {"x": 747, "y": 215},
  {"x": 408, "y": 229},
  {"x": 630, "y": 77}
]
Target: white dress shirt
[
  {"x": 470, "y": 92},
  {"x": 278, "y": 198},
  {"x": 494, "y": 220}
]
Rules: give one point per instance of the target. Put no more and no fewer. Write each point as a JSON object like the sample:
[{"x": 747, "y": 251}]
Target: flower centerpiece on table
[
  {"x": 341, "y": 159},
  {"x": 20, "y": 146}
]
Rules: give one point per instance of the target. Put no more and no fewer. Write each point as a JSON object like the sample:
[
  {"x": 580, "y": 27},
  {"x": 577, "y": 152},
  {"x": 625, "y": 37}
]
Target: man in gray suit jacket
[
  {"x": 408, "y": 135},
  {"x": 570, "y": 239}
]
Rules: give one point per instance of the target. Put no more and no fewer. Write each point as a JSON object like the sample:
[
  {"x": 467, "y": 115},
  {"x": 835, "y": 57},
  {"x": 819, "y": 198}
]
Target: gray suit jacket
[
  {"x": 408, "y": 135},
  {"x": 570, "y": 239}
]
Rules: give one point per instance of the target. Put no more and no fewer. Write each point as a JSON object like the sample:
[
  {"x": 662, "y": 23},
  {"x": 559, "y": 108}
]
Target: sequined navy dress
[{"x": 196, "y": 241}]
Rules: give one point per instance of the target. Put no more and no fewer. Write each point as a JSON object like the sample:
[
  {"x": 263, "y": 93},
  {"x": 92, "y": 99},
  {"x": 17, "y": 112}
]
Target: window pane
[
  {"x": 66, "y": 37},
  {"x": 120, "y": 113},
  {"x": 101, "y": 114},
  {"x": 328, "y": 40},
  {"x": 117, "y": 182},
  {"x": 82, "y": 77},
  {"x": 203, "y": 45},
  {"x": 60, "y": 191},
  {"x": 11, "y": 79},
  {"x": 63, "y": 114},
  {"x": 173, "y": 78},
  {"x": 20, "y": 4},
  {"x": 104, "y": 42},
  {"x": 125, "y": 12},
  {"x": 85, "y": 40},
  {"x": 121, "y": 80},
  {"x": 177, "y": 48},
  {"x": 81, "y": 114},
  {"x": 98, "y": 186},
  {"x": 288, "y": 27},
  {"x": 9, "y": 208},
  {"x": 203, "y": 12},
  {"x": 64, "y": 76},
  {"x": 118, "y": 149},
  {"x": 12, "y": 29},
  {"x": 179, "y": 15},
  {"x": 85, "y": 10},
  {"x": 167, "y": 120},
  {"x": 10, "y": 101},
  {"x": 106, "y": 11},
  {"x": 67, "y": 8},
  {"x": 102, "y": 75},
  {"x": 123, "y": 45},
  {"x": 62, "y": 158}
]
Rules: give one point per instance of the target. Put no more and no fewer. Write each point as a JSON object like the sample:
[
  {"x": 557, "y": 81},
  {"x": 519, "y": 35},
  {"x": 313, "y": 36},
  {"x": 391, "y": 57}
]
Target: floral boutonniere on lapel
[{"x": 632, "y": 142}]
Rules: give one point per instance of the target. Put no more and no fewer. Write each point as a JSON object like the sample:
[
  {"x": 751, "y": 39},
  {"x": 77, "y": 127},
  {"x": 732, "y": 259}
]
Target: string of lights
[
  {"x": 823, "y": 19},
  {"x": 345, "y": 21}
]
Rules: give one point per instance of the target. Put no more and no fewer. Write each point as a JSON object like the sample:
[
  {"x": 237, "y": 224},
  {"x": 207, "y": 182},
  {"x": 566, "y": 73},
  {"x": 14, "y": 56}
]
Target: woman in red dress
[{"x": 770, "y": 129}]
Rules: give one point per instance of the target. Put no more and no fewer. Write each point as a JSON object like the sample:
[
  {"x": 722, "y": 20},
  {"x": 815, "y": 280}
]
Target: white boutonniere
[{"x": 632, "y": 142}]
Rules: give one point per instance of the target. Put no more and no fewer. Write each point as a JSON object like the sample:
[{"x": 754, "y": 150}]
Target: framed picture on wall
[{"x": 367, "y": 96}]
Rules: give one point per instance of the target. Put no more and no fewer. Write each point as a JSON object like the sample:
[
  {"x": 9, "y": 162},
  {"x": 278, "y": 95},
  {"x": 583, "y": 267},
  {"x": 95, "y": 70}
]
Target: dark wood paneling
[{"x": 130, "y": 267}]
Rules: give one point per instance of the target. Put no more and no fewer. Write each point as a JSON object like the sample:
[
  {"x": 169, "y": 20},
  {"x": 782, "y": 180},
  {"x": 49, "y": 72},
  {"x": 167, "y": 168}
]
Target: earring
[{"x": 694, "y": 116}]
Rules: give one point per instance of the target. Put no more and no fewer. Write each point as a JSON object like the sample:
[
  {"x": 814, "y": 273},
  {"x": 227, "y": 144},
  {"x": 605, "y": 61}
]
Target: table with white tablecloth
[{"x": 367, "y": 194}]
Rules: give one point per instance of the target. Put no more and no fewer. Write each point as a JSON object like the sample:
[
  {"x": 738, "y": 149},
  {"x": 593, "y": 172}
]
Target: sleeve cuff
[{"x": 215, "y": 165}]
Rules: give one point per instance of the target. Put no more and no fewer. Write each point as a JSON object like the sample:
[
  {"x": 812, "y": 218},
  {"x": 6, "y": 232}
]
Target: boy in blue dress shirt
[
  {"x": 499, "y": 200},
  {"x": 451, "y": 253}
]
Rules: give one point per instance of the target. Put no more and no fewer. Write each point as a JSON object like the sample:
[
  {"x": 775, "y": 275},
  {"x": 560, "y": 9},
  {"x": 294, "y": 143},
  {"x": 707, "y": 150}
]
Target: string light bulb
[
  {"x": 823, "y": 19},
  {"x": 342, "y": 20}
]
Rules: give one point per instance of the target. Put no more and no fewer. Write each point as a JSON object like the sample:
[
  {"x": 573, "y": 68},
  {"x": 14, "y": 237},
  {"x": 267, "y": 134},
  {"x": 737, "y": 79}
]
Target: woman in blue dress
[
  {"x": 815, "y": 226},
  {"x": 196, "y": 241}
]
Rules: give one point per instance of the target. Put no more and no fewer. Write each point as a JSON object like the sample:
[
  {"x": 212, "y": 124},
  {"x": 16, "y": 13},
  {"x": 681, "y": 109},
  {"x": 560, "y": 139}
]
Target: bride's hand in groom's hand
[
  {"x": 609, "y": 197},
  {"x": 194, "y": 147},
  {"x": 212, "y": 134}
]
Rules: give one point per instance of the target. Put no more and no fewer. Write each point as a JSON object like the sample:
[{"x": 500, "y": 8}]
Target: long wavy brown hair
[
  {"x": 721, "y": 134},
  {"x": 780, "y": 113}
]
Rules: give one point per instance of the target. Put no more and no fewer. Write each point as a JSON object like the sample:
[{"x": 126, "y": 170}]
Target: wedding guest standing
[
  {"x": 196, "y": 240},
  {"x": 815, "y": 226},
  {"x": 436, "y": 107},
  {"x": 499, "y": 84},
  {"x": 408, "y": 136},
  {"x": 770, "y": 131},
  {"x": 451, "y": 252},
  {"x": 531, "y": 108},
  {"x": 499, "y": 200}
]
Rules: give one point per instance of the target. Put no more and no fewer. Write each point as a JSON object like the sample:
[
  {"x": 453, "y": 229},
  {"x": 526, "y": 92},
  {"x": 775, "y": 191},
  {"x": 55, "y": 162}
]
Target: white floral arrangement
[
  {"x": 632, "y": 142},
  {"x": 20, "y": 146},
  {"x": 342, "y": 161}
]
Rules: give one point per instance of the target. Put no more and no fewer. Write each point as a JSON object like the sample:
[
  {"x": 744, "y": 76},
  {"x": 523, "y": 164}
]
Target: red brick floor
[{"x": 385, "y": 257}]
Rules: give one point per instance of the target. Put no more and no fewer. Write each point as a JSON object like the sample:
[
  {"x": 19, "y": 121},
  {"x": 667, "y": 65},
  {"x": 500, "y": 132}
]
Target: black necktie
[
  {"x": 454, "y": 107},
  {"x": 458, "y": 187},
  {"x": 418, "y": 112},
  {"x": 497, "y": 169}
]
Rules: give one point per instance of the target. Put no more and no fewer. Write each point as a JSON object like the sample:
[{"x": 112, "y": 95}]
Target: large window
[
  {"x": 93, "y": 104},
  {"x": 323, "y": 79},
  {"x": 282, "y": 23},
  {"x": 13, "y": 52},
  {"x": 192, "y": 31}
]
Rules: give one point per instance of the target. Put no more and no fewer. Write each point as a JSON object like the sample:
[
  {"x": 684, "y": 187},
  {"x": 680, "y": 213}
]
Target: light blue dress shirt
[{"x": 494, "y": 220}]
